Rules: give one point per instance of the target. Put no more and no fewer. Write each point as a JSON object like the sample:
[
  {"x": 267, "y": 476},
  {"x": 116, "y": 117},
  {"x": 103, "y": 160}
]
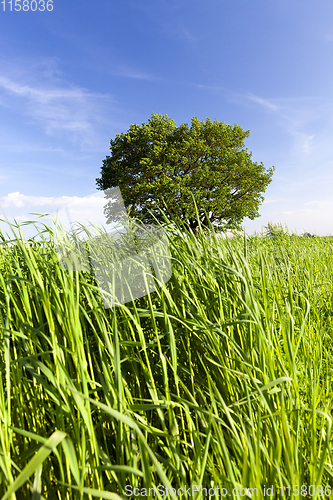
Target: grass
[{"x": 220, "y": 378}]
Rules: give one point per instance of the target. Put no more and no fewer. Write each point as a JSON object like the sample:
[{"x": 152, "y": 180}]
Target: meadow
[{"x": 220, "y": 378}]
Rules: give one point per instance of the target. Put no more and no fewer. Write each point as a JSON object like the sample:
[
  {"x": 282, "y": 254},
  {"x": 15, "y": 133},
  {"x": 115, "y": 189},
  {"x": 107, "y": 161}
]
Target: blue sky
[{"x": 74, "y": 77}]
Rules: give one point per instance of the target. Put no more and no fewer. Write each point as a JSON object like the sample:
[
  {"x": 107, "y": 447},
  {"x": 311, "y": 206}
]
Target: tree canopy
[{"x": 158, "y": 166}]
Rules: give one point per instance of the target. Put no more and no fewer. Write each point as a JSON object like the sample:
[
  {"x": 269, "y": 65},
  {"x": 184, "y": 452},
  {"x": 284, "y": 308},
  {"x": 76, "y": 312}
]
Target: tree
[{"x": 158, "y": 166}]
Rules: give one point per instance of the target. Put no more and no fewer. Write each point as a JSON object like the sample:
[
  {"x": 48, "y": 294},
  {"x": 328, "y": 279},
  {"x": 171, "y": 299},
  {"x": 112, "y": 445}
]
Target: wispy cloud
[
  {"x": 209, "y": 87},
  {"x": 307, "y": 119},
  {"x": 302, "y": 211},
  {"x": 167, "y": 15},
  {"x": 304, "y": 141},
  {"x": 43, "y": 96},
  {"x": 57, "y": 106},
  {"x": 321, "y": 205},
  {"x": 329, "y": 36},
  {"x": 185, "y": 33},
  {"x": 128, "y": 72},
  {"x": 264, "y": 102}
]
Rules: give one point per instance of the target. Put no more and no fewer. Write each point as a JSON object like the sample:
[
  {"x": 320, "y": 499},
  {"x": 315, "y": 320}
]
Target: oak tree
[{"x": 161, "y": 167}]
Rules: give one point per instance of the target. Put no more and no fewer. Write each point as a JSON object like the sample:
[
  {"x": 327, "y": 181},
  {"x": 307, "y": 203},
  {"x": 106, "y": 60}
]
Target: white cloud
[
  {"x": 19, "y": 200},
  {"x": 307, "y": 119},
  {"x": 128, "y": 72},
  {"x": 321, "y": 205},
  {"x": 88, "y": 209},
  {"x": 55, "y": 105},
  {"x": 187, "y": 35},
  {"x": 303, "y": 141},
  {"x": 263, "y": 102},
  {"x": 315, "y": 222},
  {"x": 210, "y": 87},
  {"x": 298, "y": 212}
]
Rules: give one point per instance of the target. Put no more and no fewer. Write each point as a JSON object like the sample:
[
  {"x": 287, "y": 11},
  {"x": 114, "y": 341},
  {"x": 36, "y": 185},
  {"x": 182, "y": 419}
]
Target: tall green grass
[{"x": 220, "y": 378}]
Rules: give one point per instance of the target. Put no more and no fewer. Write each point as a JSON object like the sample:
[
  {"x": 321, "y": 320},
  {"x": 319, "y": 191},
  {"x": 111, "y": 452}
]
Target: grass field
[{"x": 220, "y": 378}]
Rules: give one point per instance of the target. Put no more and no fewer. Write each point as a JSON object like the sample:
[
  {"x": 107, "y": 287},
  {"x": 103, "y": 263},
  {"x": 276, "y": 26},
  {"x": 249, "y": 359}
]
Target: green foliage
[
  {"x": 220, "y": 378},
  {"x": 159, "y": 166},
  {"x": 276, "y": 230}
]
